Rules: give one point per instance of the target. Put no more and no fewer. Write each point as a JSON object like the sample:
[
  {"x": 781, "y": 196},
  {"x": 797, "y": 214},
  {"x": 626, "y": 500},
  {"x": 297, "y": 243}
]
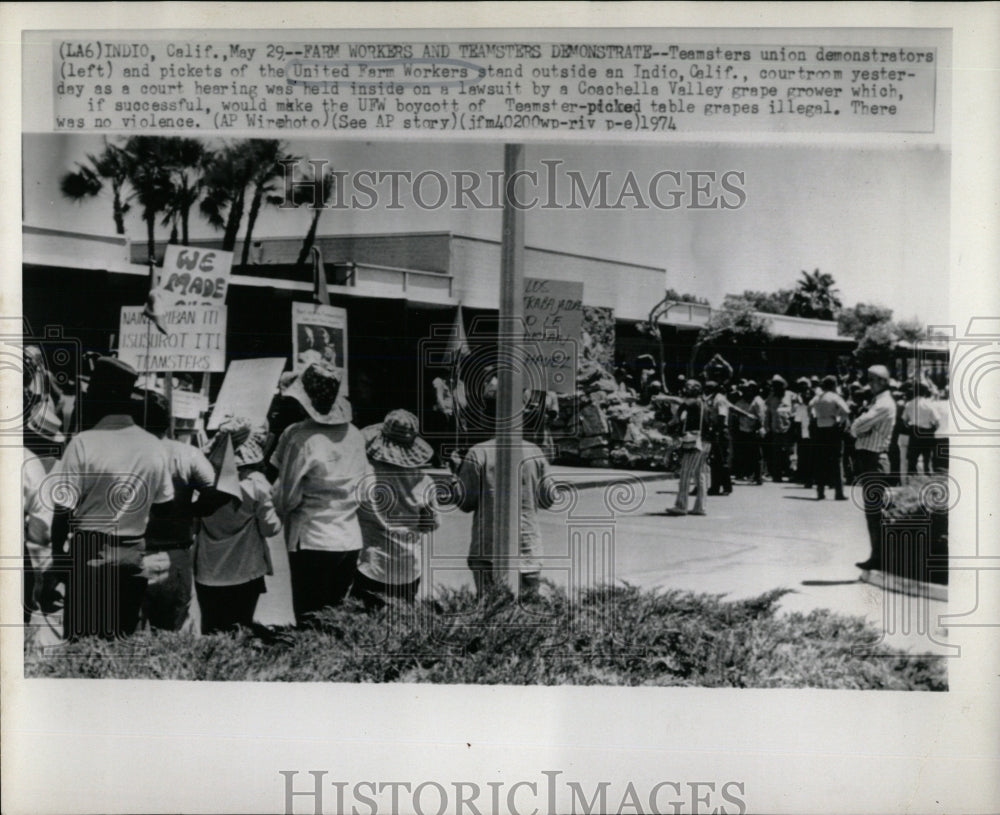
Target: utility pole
[{"x": 510, "y": 402}]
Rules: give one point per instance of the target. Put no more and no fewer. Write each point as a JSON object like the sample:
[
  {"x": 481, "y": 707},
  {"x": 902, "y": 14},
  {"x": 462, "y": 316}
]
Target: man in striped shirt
[{"x": 872, "y": 431}]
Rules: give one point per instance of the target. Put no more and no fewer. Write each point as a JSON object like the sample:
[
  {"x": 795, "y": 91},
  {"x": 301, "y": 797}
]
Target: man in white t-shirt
[{"x": 102, "y": 491}]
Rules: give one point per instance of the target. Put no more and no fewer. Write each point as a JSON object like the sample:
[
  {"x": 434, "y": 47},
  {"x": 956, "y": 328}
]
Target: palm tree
[
  {"x": 815, "y": 296},
  {"x": 88, "y": 181},
  {"x": 148, "y": 172},
  {"x": 226, "y": 178},
  {"x": 187, "y": 161},
  {"x": 315, "y": 194},
  {"x": 241, "y": 170},
  {"x": 267, "y": 158}
]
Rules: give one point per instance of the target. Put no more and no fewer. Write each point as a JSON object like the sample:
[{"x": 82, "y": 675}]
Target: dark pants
[
  {"x": 779, "y": 463},
  {"x": 720, "y": 464},
  {"x": 747, "y": 455},
  {"x": 850, "y": 466},
  {"x": 105, "y": 586},
  {"x": 224, "y": 608},
  {"x": 921, "y": 446},
  {"x": 872, "y": 476},
  {"x": 826, "y": 459},
  {"x": 167, "y": 602},
  {"x": 320, "y": 579},
  {"x": 804, "y": 455},
  {"x": 374, "y": 594}
]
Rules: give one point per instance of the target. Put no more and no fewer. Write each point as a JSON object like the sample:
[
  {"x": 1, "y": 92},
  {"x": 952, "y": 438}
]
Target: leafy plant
[{"x": 619, "y": 635}]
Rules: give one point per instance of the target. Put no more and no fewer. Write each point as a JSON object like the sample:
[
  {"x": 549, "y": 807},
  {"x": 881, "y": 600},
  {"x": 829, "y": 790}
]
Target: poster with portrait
[{"x": 319, "y": 333}]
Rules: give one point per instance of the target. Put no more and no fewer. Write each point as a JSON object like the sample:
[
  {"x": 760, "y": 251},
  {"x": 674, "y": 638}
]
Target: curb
[{"x": 904, "y": 585}]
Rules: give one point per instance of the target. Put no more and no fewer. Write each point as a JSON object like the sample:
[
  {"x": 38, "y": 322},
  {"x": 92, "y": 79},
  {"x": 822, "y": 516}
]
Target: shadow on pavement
[{"x": 829, "y": 582}]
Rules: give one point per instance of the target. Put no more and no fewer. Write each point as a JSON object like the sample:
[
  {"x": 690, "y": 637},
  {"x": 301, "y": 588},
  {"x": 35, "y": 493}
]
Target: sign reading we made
[{"x": 195, "y": 274}]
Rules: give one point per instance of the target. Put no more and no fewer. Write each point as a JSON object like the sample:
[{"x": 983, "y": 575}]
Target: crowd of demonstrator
[
  {"x": 124, "y": 522},
  {"x": 822, "y": 433}
]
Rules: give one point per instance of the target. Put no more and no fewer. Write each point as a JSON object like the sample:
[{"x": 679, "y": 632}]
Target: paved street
[{"x": 757, "y": 539}]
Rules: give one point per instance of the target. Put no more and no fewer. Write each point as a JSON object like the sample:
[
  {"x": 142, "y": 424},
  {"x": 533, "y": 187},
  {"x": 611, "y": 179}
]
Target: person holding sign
[
  {"x": 231, "y": 553},
  {"x": 321, "y": 466}
]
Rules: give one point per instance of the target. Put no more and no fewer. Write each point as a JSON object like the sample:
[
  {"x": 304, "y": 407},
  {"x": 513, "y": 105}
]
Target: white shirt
[
  {"x": 110, "y": 476},
  {"x": 320, "y": 470},
  {"x": 873, "y": 428},
  {"x": 919, "y": 413}
]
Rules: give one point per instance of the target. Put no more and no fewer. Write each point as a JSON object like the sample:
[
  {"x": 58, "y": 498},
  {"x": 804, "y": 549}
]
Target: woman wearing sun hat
[
  {"x": 321, "y": 465},
  {"x": 231, "y": 554},
  {"x": 398, "y": 508}
]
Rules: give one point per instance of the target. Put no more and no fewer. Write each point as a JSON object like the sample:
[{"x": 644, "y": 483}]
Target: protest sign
[
  {"x": 247, "y": 390},
  {"x": 195, "y": 341},
  {"x": 192, "y": 275},
  {"x": 320, "y": 332},
  {"x": 188, "y": 404},
  {"x": 553, "y": 318}
]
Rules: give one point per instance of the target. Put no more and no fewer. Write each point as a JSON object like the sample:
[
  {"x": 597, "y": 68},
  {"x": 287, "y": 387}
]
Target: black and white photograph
[{"x": 582, "y": 392}]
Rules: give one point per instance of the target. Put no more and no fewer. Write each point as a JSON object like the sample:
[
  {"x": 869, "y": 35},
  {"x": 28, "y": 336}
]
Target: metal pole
[{"x": 511, "y": 381}]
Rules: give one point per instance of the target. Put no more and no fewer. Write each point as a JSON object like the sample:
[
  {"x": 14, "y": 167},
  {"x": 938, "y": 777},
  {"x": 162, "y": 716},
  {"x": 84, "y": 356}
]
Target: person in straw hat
[
  {"x": 231, "y": 553},
  {"x": 398, "y": 508},
  {"x": 321, "y": 465}
]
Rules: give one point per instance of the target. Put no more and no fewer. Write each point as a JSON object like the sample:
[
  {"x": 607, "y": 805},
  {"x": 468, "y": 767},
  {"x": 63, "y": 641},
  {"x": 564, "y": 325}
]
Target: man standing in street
[
  {"x": 103, "y": 489},
  {"x": 831, "y": 414},
  {"x": 872, "y": 431},
  {"x": 780, "y": 410},
  {"x": 478, "y": 494},
  {"x": 721, "y": 458}
]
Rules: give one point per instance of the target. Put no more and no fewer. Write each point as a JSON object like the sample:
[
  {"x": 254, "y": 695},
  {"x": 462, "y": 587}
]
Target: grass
[{"x": 657, "y": 638}]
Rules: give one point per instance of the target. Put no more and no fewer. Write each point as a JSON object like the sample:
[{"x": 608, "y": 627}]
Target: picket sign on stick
[{"x": 189, "y": 276}]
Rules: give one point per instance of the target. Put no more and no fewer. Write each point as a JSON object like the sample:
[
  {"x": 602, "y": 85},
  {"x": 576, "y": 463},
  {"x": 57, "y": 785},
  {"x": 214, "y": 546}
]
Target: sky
[{"x": 876, "y": 219}]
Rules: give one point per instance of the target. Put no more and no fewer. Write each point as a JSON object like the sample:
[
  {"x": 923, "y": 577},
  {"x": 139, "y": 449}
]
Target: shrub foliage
[{"x": 613, "y": 636}]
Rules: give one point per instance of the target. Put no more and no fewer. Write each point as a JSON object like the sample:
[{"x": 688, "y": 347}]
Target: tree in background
[
  {"x": 767, "y": 302},
  {"x": 877, "y": 345},
  {"x": 678, "y": 297},
  {"x": 267, "y": 158},
  {"x": 227, "y": 177},
  {"x": 854, "y": 321},
  {"x": 187, "y": 159},
  {"x": 912, "y": 331},
  {"x": 815, "y": 297},
  {"x": 147, "y": 163},
  {"x": 737, "y": 327},
  {"x": 88, "y": 180},
  {"x": 314, "y": 194}
]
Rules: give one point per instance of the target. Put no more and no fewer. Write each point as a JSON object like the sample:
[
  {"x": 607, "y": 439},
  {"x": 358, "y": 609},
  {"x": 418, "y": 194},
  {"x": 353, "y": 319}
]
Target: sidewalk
[{"x": 585, "y": 477}]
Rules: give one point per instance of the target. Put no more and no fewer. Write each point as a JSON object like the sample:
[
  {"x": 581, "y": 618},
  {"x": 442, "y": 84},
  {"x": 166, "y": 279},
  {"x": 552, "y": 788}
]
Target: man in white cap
[{"x": 872, "y": 431}]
